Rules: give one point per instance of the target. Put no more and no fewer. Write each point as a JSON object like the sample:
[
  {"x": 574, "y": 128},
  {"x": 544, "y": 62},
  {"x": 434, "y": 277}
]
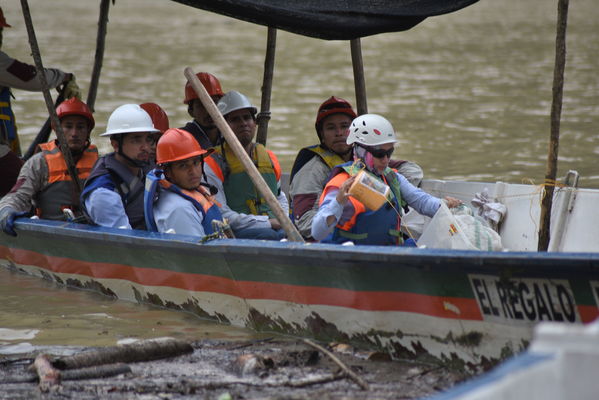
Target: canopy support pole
[
  {"x": 35, "y": 52},
  {"x": 292, "y": 232},
  {"x": 359, "y": 82},
  {"x": 269, "y": 66},
  {"x": 556, "y": 110},
  {"x": 100, "y": 41}
]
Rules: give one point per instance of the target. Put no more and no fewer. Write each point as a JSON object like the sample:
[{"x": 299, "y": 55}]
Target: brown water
[{"x": 469, "y": 94}]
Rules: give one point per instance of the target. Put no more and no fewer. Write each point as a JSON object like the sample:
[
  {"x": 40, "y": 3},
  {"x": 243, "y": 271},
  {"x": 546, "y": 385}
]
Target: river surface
[{"x": 468, "y": 93}]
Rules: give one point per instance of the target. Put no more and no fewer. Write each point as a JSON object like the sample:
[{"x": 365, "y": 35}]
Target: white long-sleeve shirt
[{"x": 18, "y": 75}]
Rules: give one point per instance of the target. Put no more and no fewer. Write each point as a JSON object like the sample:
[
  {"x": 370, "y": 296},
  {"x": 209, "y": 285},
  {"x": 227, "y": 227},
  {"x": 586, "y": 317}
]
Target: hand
[
  {"x": 452, "y": 202},
  {"x": 274, "y": 224},
  {"x": 7, "y": 220},
  {"x": 71, "y": 88},
  {"x": 343, "y": 192}
]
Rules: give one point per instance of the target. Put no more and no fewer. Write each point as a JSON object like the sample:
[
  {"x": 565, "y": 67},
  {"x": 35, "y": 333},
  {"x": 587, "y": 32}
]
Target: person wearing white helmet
[
  {"x": 342, "y": 217},
  {"x": 113, "y": 193},
  {"x": 247, "y": 212}
]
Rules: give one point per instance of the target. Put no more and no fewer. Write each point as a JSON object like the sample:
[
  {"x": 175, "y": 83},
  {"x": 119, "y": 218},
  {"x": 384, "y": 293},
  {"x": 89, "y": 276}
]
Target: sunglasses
[{"x": 380, "y": 153}]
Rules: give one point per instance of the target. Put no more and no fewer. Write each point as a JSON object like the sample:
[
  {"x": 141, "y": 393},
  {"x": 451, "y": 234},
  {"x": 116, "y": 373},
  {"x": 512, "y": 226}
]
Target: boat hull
[{"x": 468, "y": 309}]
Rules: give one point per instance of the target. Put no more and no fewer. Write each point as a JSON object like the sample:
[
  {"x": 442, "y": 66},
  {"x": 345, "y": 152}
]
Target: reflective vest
[
  {"x": 199, "y": 198},
  {"x": 375, "y": 227},
  {"x": 60, "y": 191},
  {"x": 111, "y": 174},
  {"x": 8, "y": 129},
  {"x": 307, "y": 153},
  {"x": 242, "y": 196}
]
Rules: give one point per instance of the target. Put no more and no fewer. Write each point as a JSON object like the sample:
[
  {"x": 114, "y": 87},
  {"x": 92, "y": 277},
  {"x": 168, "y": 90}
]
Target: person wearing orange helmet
[
  {"x": 202, "y": 127},
  {"x": 44, "y": 183},
  {"x": 160, "y": 121},
  {"x": 15, "y": 74},
  {"x": 176, "y": 200}
]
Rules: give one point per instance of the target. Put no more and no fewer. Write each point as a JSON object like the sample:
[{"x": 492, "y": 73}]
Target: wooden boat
[{"x": 469, "y": 309}]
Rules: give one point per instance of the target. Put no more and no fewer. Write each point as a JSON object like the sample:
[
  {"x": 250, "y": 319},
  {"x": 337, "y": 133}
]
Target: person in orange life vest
[
  {"x": 160, "y": 121},
  {"x": 202, "y": 127},
  {"x": 313, "y": 164},
  {"x": 176, "y": 200},
  {"x": 342, "y": 218},
  {"x": 15, "y": 74},
  {"x": 44, "y": 182},
  {"x": 247, "y": 212}
]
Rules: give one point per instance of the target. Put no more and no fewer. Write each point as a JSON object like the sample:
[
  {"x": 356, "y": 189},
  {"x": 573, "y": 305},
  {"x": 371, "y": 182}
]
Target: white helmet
[
  {"x": 129, "y": 118},
  {"x": 233, "y": 101},
  {"x": 371, "y": 130}
]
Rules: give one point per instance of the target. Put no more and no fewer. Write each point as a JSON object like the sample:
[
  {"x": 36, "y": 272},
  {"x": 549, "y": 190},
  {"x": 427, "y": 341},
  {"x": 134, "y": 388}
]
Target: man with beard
[
  {"x": 44, "y": 183},
  {"x": 247, "y": 212},
  {"x": 202, "y": 127},
  {"x": 114, "y": 192}
]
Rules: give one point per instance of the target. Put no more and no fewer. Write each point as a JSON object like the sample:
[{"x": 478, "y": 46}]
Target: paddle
[
  {"x": 44, "y": 133},
  {"x": 217, "y": 117}
]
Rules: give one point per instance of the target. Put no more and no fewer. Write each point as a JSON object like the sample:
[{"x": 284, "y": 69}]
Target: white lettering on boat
[
  {"x": 524, "y": 300},
  {"x": 595, "y": 289}
]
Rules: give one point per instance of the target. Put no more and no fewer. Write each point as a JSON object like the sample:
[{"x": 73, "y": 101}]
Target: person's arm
[
  {"x": 19, "y": 75},
  {"x": 105, "y": 208},
  {"x": 418, "y": 199},
  {"x": 178, "y": 214},
  {"x": 33, "y": 177},
  {"x": 305, "y": 191},
  {"x": 236, "y": 220}
]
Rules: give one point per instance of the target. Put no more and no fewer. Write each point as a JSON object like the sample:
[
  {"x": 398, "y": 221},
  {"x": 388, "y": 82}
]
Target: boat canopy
[{"x": 332, "y": 19}]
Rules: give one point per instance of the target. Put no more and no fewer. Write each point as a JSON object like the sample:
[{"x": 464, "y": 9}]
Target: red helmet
[
  {"x": 209, "y": 81},
  {"x": 333, "y": 105},
  {"x": 178, "y": 144},
  {"x": 3, "y": 22},
  {"x": 74, "y": 106},
  {"x": 158, "y": 115}
]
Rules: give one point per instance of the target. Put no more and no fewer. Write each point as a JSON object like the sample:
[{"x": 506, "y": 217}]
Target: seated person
[
  {"x": 342, "y": 217},
  {"x": 246, "y": 211},
  {"x": 202, "y": 127},
  {"x": 44, "y": 182},
  {"x": 113, "y": 193},
  {"x": 313, "y": 164},
  {"x": 176, "y": 201}
]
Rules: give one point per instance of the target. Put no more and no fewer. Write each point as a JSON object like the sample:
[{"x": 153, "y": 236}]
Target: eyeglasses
[{"x": 380, "y": 153}]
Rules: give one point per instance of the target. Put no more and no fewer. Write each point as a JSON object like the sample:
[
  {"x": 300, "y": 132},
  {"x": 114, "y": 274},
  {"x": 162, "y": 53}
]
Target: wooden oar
[
  {"x": 44, "y": 133},
  {"x": 290, "y": 229},
  {"x": 35, "y": 52}
]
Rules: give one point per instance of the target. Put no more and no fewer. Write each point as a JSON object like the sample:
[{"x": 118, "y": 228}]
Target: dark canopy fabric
[{"x": 332, "y": 19}]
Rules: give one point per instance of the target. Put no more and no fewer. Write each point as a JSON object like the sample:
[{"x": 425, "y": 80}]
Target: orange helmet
[
  {"x": 178, "y": 144},
  {"x": 3, "y": 22},
  {"x": 158, "y": 115},
  {"x": 333, "y": 105},
  {"x": 209, "y": 81},
  {"x": 74, "y": 106}
]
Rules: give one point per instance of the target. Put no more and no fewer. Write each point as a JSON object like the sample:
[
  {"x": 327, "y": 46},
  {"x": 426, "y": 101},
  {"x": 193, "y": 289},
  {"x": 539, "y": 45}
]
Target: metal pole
[
  {"x": 556, "y": 111},
  {"x": 269, "y": 66},
  {"x": 233, "y": 142},
  {"x": 35, "y": 52},
  {"x": 100, "y": 40},
  {"x": 359, "y": 82}
]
